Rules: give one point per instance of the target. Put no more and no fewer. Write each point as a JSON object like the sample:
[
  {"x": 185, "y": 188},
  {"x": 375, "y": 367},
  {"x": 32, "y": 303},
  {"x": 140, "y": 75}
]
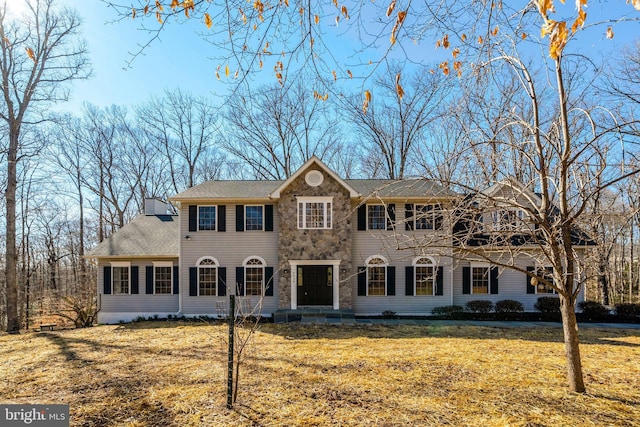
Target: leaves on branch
[
  {"x": 367, "y": 100},
  {"x": 396, "y": 27},
  {"x": 31, "y": 54},
  {"x": 635, "y": 3},
  {"x": 609, "y": 33},
  {"x": 392, "y": 6},
  {"x": 399, "y": 89},
  {"x": 207, "y": 20}
]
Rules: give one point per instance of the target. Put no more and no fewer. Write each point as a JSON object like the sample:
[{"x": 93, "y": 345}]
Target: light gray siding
[
  {"x": 400, "y": 248},
  {"x": 230, "y": 248},
  {"x": 122, "y": 307}
]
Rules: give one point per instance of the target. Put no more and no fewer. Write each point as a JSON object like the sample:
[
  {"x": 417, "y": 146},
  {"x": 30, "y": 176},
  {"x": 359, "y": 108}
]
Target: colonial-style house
[{"x": 315, "y": 240}]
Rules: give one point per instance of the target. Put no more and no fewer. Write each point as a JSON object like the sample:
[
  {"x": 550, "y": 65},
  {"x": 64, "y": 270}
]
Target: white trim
[
  {"x": 480, "y": 265},
  {"x": 293, "y": 269},
  {"x": 245, "y": 217},
  {"x": 247, "y": 259},
  {"x": 368, "y": 260},
  {"x": 314, "y": 178},
  {"x": 314, "y": 159},
  {"x": 157, "y": 264},
  {"x": 434, "y": 274},
  {"x": 215, "y": 222},
  {"x": 327, "y": 211},
  {"x": 214, "y": 259},
  {"x": 384, "y": 265},
  {"x": 386, "y": 216},
  {"x": 120, "y": 264},
  {"x": 419, "y": 257}
]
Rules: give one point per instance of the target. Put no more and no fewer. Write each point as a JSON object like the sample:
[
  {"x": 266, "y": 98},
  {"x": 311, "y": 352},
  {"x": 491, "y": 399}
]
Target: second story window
[
  {"x": 206, "y": 217},
  {"x": 315, "y": 213},
  {"x": 254, "y": 218},
  {"x": 428, "y": 217},
  {"x": 508, "y": 219},
  {"x": 376, "y": 217}
]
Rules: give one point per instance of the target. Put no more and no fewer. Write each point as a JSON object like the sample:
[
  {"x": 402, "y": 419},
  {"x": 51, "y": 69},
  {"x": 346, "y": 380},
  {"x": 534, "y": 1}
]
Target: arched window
[
  {"x": 424, "y": 276},
  {"x": 254, "y": 276},
  {"x": 207, "y": 276},
  {"x": 377, "y": 276}
]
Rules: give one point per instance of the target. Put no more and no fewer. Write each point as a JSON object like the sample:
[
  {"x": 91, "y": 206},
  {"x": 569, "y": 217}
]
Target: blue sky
[{"x": 182, "y": 59}]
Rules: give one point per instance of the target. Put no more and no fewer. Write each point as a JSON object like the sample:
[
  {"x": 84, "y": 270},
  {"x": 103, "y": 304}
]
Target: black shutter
[
  {"x": 440, "y": 281},
  {"x": 239, "y": 217},
  {"x": 222, "y": 218},
  {"x": 391, "y": 280},
  {"x": 408, "y": 217},
  {"x": 193, "y": 218},
  {"x": 493, "y": 280},
  {"x": 466, "y": 280},
  {"x": 268, "y": 217},
  {"x": 362, "y": 281},
  {"x": 193, "y": 281},
  {"x": 530, "y": 288},
  {"x": 391, "y": 216},
  {"x": 268, "y": 281},
  {"x": 134, "y": 279},
  {"x": 222, "y": 281},
  {"x": 362, "y": 217},
  {"x": 149, "y": 279},
  {"x": 176, "y": 280},
  {"x": 408, "y": 280},
  {"x": 106, "y": 283},
  {"x": 240, "y": 281}
]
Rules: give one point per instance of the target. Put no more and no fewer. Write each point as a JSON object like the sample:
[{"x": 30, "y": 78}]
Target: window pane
[
  {"x": 207, "y": 280},
  {"x": 206, "y": 217},
  {"x": 547, "y": 274},
  {"x": 315, "y": 215},
  {"x": 424, "y": 280},
  {"x": 376, "y": 280},
  {"x": 253, "y": 280},
  {"x": 376, "y": 217},
  {"x": 480, "y": 279},
  {"x": 253, "y": 218},
  {"x": 424, "y": 217},
  {"x": 163, "y": 280},
  {"x": 120, "y": 280}
]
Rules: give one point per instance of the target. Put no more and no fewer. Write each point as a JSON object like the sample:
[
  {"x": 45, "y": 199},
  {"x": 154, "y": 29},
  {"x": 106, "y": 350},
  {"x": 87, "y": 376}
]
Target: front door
[{"x": 315, "y": 285}]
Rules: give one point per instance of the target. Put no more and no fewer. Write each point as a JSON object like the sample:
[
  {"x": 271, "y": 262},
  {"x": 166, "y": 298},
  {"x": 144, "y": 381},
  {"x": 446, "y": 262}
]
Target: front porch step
[{"x": 313, "y": 315}]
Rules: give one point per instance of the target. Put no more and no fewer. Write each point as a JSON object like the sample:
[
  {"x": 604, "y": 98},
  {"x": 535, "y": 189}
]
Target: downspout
[{"x": 180, "y": 268}]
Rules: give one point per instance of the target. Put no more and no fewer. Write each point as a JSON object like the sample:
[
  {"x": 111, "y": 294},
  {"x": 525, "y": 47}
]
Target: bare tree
[
  {"x": 184, "y": 128},
  {"x": 40, "y": 53},
  {"x": 396, "y": 121},
  {"x": 275, "y": 130}
]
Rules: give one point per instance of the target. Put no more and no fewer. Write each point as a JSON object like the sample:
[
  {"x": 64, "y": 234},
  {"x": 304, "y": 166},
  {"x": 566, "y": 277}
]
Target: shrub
[
  {"x": 509, "y": 306},
  {"x": 447, "y": 310},
  {"x": 548, "y": 305},
  {"x": 388, "y": 314},
  {"x": 628, "y": 310},
  {"x": 479, "y": 306},
  {"x": 593, "y": 309}
]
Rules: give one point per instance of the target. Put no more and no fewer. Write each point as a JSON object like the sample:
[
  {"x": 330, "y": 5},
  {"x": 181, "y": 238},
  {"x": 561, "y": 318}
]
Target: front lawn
[{"x": 173, "y": 374}]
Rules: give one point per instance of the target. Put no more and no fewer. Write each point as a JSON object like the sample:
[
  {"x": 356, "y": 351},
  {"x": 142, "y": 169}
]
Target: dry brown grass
[{"x": 173, "y": 374}]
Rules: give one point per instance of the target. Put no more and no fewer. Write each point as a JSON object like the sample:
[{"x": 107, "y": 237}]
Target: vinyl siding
[
  {"x": 385, "y": 242},
  {"x": 230, "y": 248},
  {"x": 141, "y": 302}
]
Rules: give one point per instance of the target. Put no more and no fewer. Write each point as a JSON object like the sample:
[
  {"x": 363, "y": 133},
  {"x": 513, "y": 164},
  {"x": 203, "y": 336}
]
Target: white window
[
  {"x": 206, "y": 217},
  {"x": 254, "y": 276},
  {"x": 428, "y": 217},
  {"x": 508, "y": 219},
  {"x": 424, "y": 276},
  {"x": 254, "y": 218},
  {"x": 315, "y": 212},
  {"x": 545, "y": 273},
  {"x": 163, "y": 277},
  {"x": 377, "y": 276},
  {"x": 120, "y": 277},
  {"x": 207, "y": 276},
  {"x": 480, "y": 278},
  {"x": 376, "y": 217}
]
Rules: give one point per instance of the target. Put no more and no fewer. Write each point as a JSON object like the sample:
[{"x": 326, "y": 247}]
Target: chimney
[{"x": 155, "y": 206}]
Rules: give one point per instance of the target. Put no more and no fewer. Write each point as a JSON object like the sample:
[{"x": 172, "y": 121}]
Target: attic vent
[{"x": 314, "y": 178}]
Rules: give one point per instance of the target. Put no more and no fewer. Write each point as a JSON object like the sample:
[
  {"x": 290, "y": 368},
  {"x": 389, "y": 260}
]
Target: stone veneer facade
[{"x": 326, "y": 244}]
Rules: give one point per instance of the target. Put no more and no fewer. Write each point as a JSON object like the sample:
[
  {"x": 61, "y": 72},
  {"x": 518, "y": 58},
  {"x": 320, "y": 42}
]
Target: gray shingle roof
[
  {"x": 418, "y": 187},
  {"x": 146, "y": 235}
]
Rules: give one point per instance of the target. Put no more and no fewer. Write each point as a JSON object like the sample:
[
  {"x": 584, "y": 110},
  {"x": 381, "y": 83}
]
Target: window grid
[
  {"x": 480, "y": 280},
  {"x": 428, "y": 217},
  {"x": 376, "y": 217},
  {"x": 253, "y": 280},
  {"x": 120, "y": 280},
  {"x": 206, "y": 217},
  {"x": 314, "y": 215},
  {"x": 163, "y": 277},
  {"x": 207, "y": 277},
  {"x": 253, "y": 218},
  {"x": 424, "y": 280},
  {"x": 547, "y": 274},
  {"x": 376, "y": 277}
]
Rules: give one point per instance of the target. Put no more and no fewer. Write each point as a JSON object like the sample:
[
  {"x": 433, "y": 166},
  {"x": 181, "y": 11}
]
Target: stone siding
[{"x": 330, "y": 244}]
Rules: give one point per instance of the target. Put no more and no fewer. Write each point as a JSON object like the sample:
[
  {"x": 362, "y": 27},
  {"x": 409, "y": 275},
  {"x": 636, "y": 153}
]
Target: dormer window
[
  {"x": 315, "y": 212},
  {"x": 508, "y": 219}
]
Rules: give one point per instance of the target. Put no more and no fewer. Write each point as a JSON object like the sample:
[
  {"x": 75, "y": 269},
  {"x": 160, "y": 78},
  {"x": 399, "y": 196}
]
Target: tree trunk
[
  {"x": 571, "y": 346},
  {"x": 11, "y": 272},
  {"x": 603, "y": 282}
]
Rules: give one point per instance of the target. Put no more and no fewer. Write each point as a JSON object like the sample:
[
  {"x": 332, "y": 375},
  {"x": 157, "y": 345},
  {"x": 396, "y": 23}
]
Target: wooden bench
[{"x": 47, "y": 326}]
